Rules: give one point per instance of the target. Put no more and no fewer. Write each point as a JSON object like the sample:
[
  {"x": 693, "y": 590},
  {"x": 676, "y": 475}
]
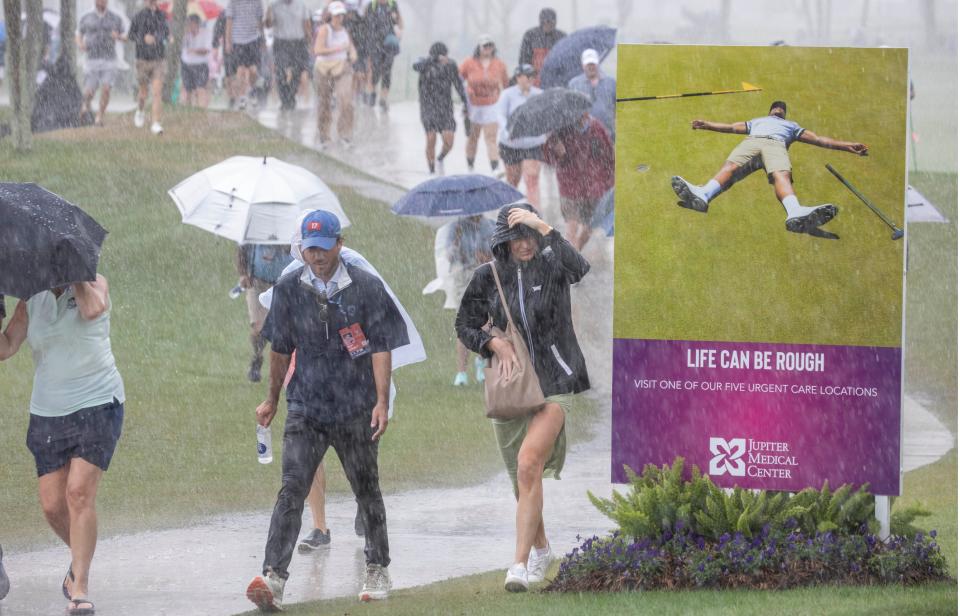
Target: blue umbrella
[
  {"x": 456, "y": 195},
  {"x": 603, "y": 215},
  {"x": 563, "y": 62}
]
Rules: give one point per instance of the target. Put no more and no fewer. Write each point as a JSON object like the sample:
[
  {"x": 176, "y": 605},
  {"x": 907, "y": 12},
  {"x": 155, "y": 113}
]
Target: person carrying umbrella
[
  {"x": 520, "y": 156},
  {"x": 76, "y": 413},
  {"x": 583, "y": 156},
  {"x": 438, "y": 75},
  {"x": 537, "y": 42},
  {"x": 259, "y": 266},
  {"x": 468, "y": 247}
]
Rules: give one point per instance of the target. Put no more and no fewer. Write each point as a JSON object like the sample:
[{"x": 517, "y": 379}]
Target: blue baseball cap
[{"x": 320, "y": 229}]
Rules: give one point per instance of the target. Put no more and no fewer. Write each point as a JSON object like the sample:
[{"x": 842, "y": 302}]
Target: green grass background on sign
[{"x": 735, "y": 274}]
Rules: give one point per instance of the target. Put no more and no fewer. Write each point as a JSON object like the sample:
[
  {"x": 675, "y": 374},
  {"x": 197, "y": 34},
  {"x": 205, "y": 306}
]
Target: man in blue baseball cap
[{"x": 343, "y": 325}]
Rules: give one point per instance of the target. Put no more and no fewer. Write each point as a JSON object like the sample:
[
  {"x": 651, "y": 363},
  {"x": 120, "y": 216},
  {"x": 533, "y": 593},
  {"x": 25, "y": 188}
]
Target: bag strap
[{"x": 503, "y": 298}]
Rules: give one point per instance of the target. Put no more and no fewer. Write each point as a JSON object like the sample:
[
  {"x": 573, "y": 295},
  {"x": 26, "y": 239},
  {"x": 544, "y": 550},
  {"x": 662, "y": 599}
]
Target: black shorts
[
  {"x": 194, "y": 76},
  {"x": 515, "y": 156},
  {"x": 247, "y": 54},
  {"x": 437, "y": 122},
  {"x": 291, "y": 54},
  {"x": 229, "y": 64},
  {"x": 91, "y": 433}
]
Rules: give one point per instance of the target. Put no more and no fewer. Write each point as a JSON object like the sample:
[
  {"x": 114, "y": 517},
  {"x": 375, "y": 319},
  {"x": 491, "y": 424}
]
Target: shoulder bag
[{"x": 521, "y": 394}]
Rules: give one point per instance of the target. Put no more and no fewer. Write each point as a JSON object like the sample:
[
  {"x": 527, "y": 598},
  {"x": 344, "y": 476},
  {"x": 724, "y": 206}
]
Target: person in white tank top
[
  {"x": 333, "y": 76},
  {"x": 76, "y": 413}
]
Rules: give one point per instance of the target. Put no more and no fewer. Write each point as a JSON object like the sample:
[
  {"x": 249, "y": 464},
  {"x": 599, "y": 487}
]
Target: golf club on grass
[{"x": 897, "y": 232}]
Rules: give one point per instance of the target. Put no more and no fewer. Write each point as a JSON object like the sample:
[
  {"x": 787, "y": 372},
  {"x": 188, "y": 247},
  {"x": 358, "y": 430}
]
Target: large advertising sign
[{"x": 759, "y": 263}]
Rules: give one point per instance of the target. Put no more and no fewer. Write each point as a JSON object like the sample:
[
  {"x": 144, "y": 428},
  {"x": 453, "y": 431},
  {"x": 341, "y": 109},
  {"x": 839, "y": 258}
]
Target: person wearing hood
[
  {"x": 438, "y": 76},
  {"x": 536, "y": 266}
]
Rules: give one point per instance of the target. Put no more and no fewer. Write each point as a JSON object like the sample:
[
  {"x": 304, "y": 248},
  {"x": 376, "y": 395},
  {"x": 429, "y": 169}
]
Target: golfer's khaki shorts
[
  {"x": 149, "y": 70},
  {"x": 772, "y": 152}
]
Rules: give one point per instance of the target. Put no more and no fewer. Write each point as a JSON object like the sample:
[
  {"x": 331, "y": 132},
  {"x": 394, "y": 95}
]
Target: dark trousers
[
  {"x": 292, "y": 55},
  {"x": 305, "y": 441}
]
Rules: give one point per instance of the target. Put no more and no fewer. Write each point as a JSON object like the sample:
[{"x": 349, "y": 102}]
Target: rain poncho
[
  {"x": 411, "y": 353},
  {"x": 455, "y": 250}
]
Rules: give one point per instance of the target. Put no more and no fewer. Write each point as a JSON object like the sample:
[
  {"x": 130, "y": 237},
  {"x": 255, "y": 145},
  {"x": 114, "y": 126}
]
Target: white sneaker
[
  {"x": 439, "y": 167},
  {"x": 516, "y": 579},
  {"x": 266, "y": 591},
  {"x": 809, "y": 218},
  {"x": 376, "y": 583},
  {"x": 691, "y": 196},
  {"x": 156, "y": 129},
  {"x": 138, "y": 118},
  {"x": 537, "y": 565}
]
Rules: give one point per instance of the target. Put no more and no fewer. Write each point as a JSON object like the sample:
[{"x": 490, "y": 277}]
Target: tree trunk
[
  {"x": 32, "y": 50},
  {"x": 21, "y": 138},
  {"x": 68, "y": 28},
  {"x": 177, "y": 27}
]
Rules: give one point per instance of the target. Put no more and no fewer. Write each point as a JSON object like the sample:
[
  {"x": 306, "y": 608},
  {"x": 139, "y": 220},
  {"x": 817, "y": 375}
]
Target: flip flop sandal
[
  {"x": 74, "y": 609},
  {"x": 67, "y": 578}
]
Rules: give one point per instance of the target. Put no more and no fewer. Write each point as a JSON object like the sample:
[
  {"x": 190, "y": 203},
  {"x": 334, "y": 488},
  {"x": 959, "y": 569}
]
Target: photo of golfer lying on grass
[{"x": 768, "y": 139}]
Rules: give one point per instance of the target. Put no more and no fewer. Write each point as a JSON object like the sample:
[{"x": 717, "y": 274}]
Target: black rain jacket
[{"x": 538, "y": 293}]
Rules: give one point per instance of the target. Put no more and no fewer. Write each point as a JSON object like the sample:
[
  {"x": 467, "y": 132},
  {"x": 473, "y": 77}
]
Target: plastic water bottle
[{"x": 264, "y": 447}]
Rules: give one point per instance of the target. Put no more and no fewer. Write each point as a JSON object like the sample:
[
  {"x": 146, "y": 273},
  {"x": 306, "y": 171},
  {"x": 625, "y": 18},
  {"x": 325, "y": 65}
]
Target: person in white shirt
[
  {"x": 765, "y": 147},
  {"x": 194, "y": 62},
  {"x": 521, "y": 157}
]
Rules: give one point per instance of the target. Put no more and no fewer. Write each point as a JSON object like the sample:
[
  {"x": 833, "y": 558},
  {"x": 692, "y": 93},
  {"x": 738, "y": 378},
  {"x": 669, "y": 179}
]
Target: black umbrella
[
  {"x": 563, "y": 62},
  {"x": 45, "y": 241},
  {"x": 544, "y": 113}
]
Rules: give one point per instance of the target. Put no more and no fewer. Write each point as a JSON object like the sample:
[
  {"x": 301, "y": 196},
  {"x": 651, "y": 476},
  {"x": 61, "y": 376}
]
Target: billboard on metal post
[{"x": 758, "y": 295}]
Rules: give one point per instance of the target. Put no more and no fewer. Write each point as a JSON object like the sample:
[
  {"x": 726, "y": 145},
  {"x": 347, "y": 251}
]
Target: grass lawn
[
  {"x": 735, "y": 274},
  {"x": 182, "y": 345}
]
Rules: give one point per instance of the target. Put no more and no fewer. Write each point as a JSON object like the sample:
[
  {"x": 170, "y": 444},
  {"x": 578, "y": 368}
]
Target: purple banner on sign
[{"x": 769, "y": 416}]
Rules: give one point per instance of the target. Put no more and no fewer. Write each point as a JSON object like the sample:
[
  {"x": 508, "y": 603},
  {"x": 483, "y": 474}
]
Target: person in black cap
[
  {"x": 537, "y": 42},
  {"x": 536, "y": 266},
  {"x": 438, "y": 76},
  {"x": 765, "y": 147}
]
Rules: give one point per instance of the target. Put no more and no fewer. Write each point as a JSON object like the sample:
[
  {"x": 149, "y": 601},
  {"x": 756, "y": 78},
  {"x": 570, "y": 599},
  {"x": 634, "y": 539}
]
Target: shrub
[{"x": 660, "y": 498}]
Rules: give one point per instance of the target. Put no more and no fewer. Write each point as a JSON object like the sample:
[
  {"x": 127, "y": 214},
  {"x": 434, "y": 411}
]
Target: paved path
[{"x": 434, "y": 534}]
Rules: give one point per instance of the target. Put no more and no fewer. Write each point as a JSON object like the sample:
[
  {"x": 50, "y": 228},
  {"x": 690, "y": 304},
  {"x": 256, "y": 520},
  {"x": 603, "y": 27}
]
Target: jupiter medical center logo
[{"x": 742, "y": 457}]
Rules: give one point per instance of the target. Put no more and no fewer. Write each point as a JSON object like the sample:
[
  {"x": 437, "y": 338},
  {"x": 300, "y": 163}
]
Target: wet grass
[
  {"x": 182, "y": 345},
  {"x": 484, "y": 594},
  {"x": 931, "y": 323}
]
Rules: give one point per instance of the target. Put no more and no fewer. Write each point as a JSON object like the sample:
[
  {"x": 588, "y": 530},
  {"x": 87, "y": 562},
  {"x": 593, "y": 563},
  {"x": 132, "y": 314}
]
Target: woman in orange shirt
[{"x": 486, "y": 76}]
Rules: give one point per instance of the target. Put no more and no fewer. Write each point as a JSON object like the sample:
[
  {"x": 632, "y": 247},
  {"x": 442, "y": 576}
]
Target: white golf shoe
[
  {"x": 517, "y": 580},
  {"x": 691, "y": 196},
  {"x": 811, "y": 217}
]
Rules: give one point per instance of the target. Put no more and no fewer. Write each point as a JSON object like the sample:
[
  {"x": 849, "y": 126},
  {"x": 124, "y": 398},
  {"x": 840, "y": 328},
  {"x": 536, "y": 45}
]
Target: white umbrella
[{"x": 253, "y": 200}]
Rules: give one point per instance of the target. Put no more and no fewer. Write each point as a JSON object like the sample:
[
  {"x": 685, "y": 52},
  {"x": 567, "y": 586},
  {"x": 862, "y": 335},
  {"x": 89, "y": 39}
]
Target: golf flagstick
[
  {"x": 897, "y": 232},
  {"x": 744, "y": 87}
]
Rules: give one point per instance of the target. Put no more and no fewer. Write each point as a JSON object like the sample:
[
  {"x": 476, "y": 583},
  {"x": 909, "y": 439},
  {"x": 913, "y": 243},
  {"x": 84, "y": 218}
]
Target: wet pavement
[{"x": 435, "y": 533}]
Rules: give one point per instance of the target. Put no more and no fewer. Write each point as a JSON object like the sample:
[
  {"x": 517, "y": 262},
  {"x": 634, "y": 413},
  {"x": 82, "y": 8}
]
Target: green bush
[{"x": 661, "y": 499}]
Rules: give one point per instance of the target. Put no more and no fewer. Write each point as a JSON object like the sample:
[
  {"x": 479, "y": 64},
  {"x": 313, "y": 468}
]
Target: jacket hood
[{"x": 500, "y": 242}]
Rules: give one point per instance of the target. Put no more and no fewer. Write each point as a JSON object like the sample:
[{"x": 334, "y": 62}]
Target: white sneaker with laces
[
  {"x": 266, "y": 591},
  {"x": 156, "y": 129},
  {"x": 537, "y": 565},
  {"x": 516, "y": 579},
  {"x": 139, "y": 118},
  {"x": 376, "y": 583}
]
